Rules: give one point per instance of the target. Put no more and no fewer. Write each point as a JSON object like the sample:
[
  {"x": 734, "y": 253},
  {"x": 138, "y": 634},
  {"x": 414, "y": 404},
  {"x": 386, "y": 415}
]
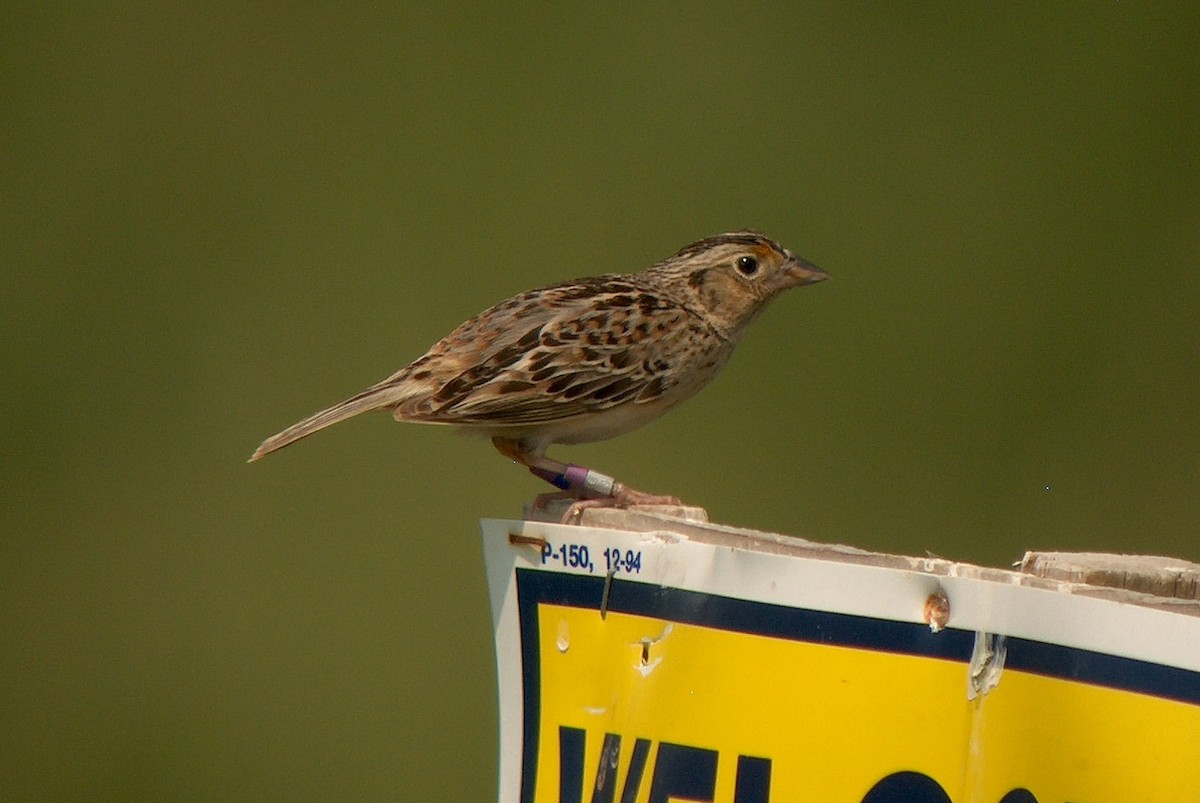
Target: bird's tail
[{"x": 373, "y": 398}]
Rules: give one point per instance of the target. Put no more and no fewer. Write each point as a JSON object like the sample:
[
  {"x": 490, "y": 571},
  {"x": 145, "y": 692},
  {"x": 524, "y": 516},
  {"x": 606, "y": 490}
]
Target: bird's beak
[{"x": 800, "y": 272}]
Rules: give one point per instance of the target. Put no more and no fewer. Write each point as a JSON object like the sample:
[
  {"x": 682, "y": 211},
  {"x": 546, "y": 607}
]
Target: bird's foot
[
  {"x": 589, "y": 489},
  {"x": 543, "y": 501},
  {"x": 622, "y": 497}
]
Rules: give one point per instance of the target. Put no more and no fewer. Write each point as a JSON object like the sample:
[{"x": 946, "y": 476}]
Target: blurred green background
[{"x": 218, "y": 219}]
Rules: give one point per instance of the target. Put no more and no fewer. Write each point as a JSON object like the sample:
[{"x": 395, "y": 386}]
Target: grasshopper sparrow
[{"x": 585, "y": 360}]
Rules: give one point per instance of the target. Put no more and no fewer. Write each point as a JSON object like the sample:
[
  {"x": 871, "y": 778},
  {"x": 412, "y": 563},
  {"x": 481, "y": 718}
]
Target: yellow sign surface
[{"x": 639, "y": 708}]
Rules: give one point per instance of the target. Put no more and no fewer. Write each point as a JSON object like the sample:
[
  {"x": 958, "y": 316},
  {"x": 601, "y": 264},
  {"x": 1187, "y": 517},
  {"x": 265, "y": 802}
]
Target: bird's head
[{"x": 730, "y": 278}]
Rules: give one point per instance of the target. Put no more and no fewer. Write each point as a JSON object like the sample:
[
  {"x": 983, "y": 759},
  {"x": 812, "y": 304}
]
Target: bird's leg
[
  {"x": 512, "y": 449},
  {"x": 576, "y": 482},
  {"x": 588, "y": 487}
]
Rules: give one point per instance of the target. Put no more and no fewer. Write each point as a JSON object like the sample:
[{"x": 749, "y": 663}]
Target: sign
[{"x": 649, "y": 666}]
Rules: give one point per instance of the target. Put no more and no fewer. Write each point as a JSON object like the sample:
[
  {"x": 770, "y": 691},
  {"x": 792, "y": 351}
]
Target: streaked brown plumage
[{"x": 587, "y": 359}]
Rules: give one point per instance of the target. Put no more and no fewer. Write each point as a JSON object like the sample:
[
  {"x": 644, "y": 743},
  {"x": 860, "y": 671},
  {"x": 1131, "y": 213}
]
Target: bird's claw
[{"x": 624, "y": 497}]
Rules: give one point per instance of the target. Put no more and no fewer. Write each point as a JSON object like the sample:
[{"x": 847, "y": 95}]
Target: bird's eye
[{"x": 747, "y": 266}]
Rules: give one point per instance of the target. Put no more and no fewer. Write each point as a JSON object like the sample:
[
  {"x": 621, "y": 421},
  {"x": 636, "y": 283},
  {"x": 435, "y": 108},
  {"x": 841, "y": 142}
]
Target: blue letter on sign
[{"x": 682, "y": 771}]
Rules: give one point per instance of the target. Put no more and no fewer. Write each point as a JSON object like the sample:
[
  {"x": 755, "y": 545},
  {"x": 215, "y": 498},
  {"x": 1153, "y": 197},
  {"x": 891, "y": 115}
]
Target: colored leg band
[
  {"x": 553, "y": 477},
  {"x": 592, "y": 484}
]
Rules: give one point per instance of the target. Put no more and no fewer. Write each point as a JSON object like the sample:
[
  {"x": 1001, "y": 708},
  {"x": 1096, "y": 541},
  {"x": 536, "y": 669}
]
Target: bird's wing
[{"x": 584, "y": 349}]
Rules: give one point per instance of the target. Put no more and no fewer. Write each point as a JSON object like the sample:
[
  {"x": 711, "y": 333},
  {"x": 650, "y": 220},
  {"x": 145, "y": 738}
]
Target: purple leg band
[
  {"x": 559, "y": 481},
  {"x": 575, "y": 476},
  {"x": 584, "y": 482}
]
